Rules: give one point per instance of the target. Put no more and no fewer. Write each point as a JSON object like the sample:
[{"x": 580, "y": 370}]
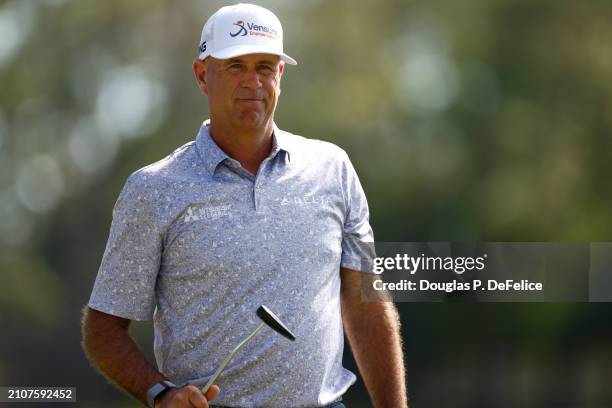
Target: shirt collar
[
  {"x": 281, "y": 141},
  {"x": 211, "y": 154}
]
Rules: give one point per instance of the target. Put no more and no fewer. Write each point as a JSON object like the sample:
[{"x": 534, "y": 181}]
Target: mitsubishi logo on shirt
[{"x": 197, "y": 212}]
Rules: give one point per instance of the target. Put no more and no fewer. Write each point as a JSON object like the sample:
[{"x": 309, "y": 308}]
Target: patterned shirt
[{"x": 199, "y": 243}]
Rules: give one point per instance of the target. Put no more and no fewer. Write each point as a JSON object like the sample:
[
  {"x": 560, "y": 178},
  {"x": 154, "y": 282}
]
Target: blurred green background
[{"x": 466, "y": 120}]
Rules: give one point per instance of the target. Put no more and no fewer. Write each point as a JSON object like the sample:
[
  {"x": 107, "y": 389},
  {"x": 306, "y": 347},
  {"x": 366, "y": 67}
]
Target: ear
[
  {"x": 281, "y": 67},
  {"x": 199, "y": 70}
]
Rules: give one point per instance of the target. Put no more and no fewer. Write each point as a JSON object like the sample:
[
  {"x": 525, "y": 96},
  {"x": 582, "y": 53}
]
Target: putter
[{"x": 268, "y": 318}]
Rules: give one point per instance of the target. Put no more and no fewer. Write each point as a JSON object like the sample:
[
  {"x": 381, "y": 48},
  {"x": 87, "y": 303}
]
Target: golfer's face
[{"x": 244, "y": 90}]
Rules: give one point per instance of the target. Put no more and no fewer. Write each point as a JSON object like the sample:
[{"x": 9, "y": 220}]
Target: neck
[{"x": 249, "y": 146}]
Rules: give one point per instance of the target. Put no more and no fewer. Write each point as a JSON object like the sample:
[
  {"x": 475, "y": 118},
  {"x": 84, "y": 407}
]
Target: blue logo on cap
[{"x": 242, "y": 31}]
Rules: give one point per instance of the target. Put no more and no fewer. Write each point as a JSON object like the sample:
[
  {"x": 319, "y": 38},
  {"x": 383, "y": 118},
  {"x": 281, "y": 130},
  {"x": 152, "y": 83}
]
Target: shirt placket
[{"x": 258, "y": 186}]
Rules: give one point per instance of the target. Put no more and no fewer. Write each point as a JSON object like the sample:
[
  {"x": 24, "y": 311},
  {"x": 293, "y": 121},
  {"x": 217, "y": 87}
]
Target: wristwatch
[{"x": 157, "y": 391}]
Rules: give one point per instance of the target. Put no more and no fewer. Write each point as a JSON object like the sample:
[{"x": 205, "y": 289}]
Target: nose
[{"x": 250, "y": 79}]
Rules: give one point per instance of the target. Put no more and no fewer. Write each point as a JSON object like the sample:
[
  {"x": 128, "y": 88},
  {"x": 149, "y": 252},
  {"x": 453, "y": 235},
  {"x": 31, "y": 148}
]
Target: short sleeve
[
  {"x": 357, "y": 237},
  {"x": 125, "y": 284}
]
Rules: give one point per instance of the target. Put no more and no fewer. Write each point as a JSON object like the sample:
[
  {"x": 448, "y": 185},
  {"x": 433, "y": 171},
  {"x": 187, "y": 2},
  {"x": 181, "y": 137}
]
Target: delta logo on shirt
[{"x": 253, "y": 29}]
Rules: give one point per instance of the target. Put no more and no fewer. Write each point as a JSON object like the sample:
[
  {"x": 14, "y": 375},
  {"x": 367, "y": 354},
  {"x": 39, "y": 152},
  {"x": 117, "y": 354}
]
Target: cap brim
[{"x": 238, "y": 50}]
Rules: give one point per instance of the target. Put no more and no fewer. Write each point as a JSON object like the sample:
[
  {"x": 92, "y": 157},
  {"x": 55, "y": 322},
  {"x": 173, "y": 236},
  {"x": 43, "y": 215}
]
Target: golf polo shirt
[{"x": 199, "y": 243}]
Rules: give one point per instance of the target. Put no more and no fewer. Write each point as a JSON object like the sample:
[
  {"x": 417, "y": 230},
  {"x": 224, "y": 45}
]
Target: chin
[{"x": 252, "y": 120}]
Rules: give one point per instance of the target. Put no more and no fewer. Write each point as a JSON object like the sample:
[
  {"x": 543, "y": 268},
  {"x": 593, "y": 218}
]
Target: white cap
[{"x": 242, "y": 29}]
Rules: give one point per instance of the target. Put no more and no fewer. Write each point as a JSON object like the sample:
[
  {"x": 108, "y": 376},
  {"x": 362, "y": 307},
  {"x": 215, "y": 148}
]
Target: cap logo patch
[
  {"x": 253, "y": 29},
  {"x": 242, "y": 31}
]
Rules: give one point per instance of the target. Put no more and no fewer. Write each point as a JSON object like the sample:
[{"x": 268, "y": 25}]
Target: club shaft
[{"x": 230, "y": 357}]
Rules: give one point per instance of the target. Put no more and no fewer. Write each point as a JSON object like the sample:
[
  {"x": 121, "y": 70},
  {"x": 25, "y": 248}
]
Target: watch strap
[{"x": 157, "y": 390}]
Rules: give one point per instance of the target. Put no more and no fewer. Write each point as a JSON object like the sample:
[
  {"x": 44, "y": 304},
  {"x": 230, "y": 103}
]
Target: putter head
[{"x": 274, "y": 322}]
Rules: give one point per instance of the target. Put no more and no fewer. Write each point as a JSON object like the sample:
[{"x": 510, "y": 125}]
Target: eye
[{"x": 266, "y": 69}]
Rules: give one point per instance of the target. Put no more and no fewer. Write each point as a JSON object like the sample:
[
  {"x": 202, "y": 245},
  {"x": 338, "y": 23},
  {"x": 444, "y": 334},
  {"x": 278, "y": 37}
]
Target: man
[{"x": 246, "y": 215}]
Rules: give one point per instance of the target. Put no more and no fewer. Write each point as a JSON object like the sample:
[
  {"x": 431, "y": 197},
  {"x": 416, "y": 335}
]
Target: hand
[{"x": 188, "y": 396}]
